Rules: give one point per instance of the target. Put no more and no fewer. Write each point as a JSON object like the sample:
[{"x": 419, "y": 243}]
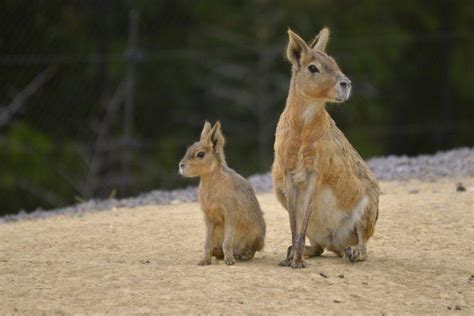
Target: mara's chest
[
  {"x": 211, "y": 210},
  {"x": 215, "y": 215},
  {"x": 301, "y": 137},
  {"x": 211, "y": 204},
  {"x": 207, "y": 198},
  {"x": 297, "y": 148}
]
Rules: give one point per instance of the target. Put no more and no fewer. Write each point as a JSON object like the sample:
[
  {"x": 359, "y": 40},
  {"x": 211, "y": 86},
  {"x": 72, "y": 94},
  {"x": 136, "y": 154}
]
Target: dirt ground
[{"x": 143, "y": 261}]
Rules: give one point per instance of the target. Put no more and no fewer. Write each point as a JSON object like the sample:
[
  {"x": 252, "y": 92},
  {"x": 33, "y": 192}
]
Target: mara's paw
[
  {"x": 286, "y": 262},
  {"x": 229, "y": 260},
  {"x": 204, "y": 262},
  {"x": 298, "y": 264},
  {"x": 355, "y": 253}
]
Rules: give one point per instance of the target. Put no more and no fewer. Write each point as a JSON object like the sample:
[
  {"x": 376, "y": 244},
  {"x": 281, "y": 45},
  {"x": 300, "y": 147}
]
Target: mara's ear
[
  {"x": 205, "y": 130},
  {"x": 321, "y": 40},
  {"x": 297, "y": 48},
  {"x": 217, "y": 138}
]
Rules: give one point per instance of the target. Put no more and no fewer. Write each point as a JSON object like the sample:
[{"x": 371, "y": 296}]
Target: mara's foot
[
  {"x": 246, "y": 254},
  {"x": 218, "y": 253},
  {"x": 355, "y": 253},
  {"x": 204, "y": 262},
  {"x": 308, "y": 251},
  {"x": 298, "y": 264},
  {"x": 229, "y": 260},
  {"x": 286, "y": 262}
]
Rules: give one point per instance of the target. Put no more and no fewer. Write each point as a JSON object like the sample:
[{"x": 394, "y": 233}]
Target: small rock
[
  {"x": 449, "y": 307},
  {"x": 240, "y": 302},
  {"x": 324, "y": 275},
  {"x": 341, "y": 276},
  {"x": 458, "y": 308},
  {"x": 413, "y": 191},
  {"x": 336, "y": 301},
  {"x": 471, "y": 278},
  {"x": 365, "y": 283},
  {"x": 460, "y": 187}
]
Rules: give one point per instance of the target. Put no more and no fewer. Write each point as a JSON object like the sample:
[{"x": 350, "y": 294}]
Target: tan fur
[
  {"x": 327, "y": 188},
  {"x": 235, "y": 227}
]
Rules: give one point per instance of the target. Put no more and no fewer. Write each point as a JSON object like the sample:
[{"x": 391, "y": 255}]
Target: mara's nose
[
  {"x": 181, "y": 165},
  {"x": 345, "y": 83}
]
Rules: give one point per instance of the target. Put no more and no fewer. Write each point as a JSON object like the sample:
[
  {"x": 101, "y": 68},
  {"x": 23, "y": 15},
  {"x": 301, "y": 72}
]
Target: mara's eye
[
  {"x": 201, "y": 154},
  {"x": 313, "y": 68}
]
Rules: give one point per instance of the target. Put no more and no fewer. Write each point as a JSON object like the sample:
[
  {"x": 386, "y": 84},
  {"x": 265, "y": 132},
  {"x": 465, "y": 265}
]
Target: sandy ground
[{"x": 143, "y": 260}]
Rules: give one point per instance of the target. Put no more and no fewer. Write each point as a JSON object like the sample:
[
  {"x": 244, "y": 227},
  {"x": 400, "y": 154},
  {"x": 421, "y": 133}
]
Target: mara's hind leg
[
  {"x": 246, "y": 250},
  {"x": 246, "y": 254},
  {"x": 314, "y": 250},
  {"x": 218, "y": 253},
  {"x": 359, "y": 251},
  {"x": 308, "y": 252},
  {"x": 364, "y": 230}
]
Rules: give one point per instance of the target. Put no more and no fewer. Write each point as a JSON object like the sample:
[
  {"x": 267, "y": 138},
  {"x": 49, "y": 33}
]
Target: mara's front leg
[
  {"x": 291, "y": 196},
  {"x": 206, "y": 258},
  {"x": 228, "y": 244},
  {"x": 299, "y": 241}
]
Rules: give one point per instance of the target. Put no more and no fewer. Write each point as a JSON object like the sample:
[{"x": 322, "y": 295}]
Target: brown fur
[
  {"x": 235, "y": 227},
  {"x": 329, "y": 192}
]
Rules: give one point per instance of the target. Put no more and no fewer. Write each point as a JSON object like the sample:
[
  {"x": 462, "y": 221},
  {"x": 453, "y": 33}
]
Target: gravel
[{"x": 453, "y": 163}]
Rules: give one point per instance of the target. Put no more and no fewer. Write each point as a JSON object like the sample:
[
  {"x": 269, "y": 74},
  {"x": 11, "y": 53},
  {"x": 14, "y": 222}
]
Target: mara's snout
[
  {"x": 343, "y": 89},
  {"x": 181, "y": 167}
]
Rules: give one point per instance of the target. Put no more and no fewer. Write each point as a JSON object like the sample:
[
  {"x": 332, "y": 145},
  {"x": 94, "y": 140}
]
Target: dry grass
[{"x": 143, "y": 260}]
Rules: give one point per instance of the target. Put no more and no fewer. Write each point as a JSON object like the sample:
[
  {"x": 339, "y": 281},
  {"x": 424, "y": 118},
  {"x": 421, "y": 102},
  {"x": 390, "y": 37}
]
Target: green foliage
[{"x": 36, "y": 171}]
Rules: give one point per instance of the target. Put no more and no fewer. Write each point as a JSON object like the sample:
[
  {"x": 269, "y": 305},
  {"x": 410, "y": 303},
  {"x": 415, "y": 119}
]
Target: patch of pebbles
[{"x": 453, "y": 163}]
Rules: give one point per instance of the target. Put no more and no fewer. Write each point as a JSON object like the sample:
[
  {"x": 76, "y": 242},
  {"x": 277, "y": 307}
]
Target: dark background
[{"x": 101, "y": 98}]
